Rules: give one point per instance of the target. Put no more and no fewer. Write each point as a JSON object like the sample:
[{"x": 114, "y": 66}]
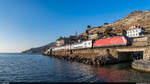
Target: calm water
[{"x": 39, "y": 68}]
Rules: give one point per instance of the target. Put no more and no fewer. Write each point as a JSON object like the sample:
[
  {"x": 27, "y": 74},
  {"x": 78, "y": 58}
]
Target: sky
[{"x": 26, "y": 24}]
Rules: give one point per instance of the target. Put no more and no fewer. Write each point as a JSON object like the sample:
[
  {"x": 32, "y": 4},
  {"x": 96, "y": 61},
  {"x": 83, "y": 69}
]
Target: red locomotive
[{"x": 114, "y": 41}]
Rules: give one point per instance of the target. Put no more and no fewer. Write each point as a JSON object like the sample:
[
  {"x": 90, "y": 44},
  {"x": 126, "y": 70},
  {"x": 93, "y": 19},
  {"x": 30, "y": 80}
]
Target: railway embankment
[{"x": 140, "y": 48}]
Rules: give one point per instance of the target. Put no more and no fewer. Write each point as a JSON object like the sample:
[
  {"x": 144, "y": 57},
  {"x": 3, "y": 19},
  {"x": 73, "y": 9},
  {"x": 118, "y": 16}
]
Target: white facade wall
[
  {"x": 134, "y": 32},
  {"x": 57, "y": 43}
]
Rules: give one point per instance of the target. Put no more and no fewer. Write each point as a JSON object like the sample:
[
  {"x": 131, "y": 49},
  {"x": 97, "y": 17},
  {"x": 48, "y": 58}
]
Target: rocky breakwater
[{"x": 95, "y": 57}]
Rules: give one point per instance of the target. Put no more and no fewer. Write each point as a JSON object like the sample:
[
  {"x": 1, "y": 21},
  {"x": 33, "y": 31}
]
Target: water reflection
[
  {"x": 38, "y": 68},
  {"x": 121, "y": 73},
  {"x": 110, "y": 75}
]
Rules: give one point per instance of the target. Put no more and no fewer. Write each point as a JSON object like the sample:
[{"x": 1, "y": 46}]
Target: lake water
[{"x": 39, "y": 68}]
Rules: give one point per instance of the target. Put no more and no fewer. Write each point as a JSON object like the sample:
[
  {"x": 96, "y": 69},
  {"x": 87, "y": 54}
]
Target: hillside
[
  {"x": 39, "y": 49},
  {"x": 134, "y": 18}
]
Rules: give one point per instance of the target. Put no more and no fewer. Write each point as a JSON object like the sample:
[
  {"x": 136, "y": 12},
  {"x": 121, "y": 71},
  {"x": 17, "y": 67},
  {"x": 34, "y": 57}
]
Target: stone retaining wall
[{"x": 94, "y": 56}]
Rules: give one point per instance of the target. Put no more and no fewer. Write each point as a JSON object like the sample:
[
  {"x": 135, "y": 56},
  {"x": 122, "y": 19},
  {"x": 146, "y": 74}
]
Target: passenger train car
[
  {"x": 113, "y": 41},
  {"x": 62, "y": 48},
  {"x": 82, "y": 45}
]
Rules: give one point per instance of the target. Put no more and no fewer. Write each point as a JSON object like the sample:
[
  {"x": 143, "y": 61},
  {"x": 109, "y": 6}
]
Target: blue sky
[{"x": 32, "y": 23}]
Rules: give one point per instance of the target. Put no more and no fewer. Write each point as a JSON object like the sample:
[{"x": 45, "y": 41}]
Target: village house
[
  {"x": 66, "y": 40},
  {"x": 135, "y": 31},
  {"x": 61, "y": 41}
]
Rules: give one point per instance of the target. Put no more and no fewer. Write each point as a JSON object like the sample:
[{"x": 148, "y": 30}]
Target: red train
[{"x": 114, "y": 41}]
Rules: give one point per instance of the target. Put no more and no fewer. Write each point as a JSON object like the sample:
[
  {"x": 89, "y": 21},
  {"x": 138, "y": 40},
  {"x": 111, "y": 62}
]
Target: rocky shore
[
  {"x": 96, "y": 57},
  {"x": 141, "y": 65},
  {"x": 95, "y": 62}
]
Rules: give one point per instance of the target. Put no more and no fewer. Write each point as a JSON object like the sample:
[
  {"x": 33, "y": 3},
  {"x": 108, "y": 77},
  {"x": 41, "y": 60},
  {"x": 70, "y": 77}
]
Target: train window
[{"x": 133, "y": 35}]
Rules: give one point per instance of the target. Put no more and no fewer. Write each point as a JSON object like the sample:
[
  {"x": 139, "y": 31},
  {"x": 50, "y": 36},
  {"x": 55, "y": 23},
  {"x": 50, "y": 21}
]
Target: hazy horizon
[{"x": 33, "y": 23}]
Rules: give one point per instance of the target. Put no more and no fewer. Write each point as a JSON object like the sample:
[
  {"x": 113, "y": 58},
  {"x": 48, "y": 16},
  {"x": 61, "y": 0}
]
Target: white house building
[{"x": 135, "y": 31}]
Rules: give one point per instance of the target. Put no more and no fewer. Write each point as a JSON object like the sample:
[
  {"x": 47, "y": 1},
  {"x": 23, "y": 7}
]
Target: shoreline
[
  {"x": 141, "y": 65},
  {"x": 136, "y": 64}
]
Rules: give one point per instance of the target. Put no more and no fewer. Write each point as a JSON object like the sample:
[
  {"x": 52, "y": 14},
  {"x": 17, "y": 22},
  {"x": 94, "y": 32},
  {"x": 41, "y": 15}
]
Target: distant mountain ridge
[{"x": 39, "y": 49}]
